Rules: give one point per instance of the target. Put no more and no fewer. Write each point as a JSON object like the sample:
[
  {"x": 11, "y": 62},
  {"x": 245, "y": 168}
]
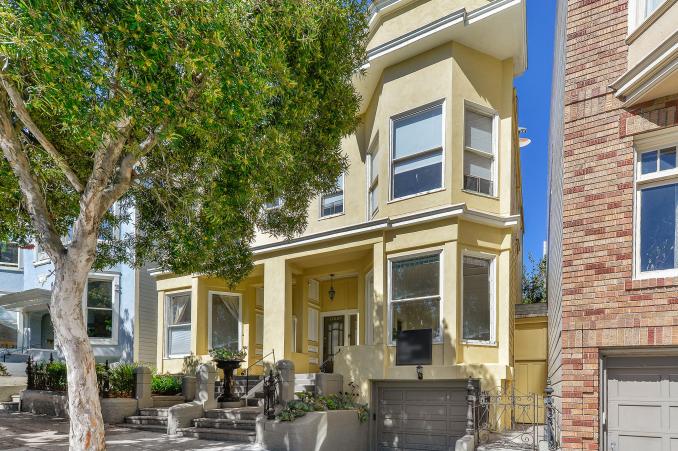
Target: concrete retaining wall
[
  {"x": 55, "y": 404},
  {"x": 335, "y": 430}
]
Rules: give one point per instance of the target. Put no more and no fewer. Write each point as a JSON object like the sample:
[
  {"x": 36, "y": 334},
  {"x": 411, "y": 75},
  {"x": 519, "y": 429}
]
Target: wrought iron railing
[{"x": 247, "y": 372}]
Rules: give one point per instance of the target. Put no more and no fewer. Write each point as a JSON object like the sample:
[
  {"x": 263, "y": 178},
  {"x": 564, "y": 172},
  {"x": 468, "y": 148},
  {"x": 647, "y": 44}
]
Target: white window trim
[
  {"x": 484, "y": 111},
  {"x": 656, "y": 141},
  {"x": 168, "y": 296},
  {"x": 493, "y": 296},
  {"x": 210, "y": 295},
  {"x": 317, "y": 324},
  {"x": 115, "y": 286},
  {"x": 441, "y": 272},
  {"x": 343, "y": 200},
  {"x": 637, "y": 17},
  {"x": 19, "y": 261},
  {"x": 371, "y": 184},
  {"x": 347, "y": 324},
  {"x": 429, "y": 106}
]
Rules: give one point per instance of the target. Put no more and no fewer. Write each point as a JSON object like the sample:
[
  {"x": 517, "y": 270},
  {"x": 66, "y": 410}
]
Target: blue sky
[{"x": 534, "y": 93}]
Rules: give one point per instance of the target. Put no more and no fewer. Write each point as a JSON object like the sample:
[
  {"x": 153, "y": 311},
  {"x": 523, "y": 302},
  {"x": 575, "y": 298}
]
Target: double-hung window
[
  {"x": 657, "y": 212},
  {"x": 415, "y": 295},
  {"x": 178, "y": 324},
  {"x": 478, "y": 301},
  {"x": 417, "y": 152},
  {"x": 99, "y": 306},
  {"x": 277, "y": 203},
  {"x": 224, "y": 311},
  {"x": 373, "y": 183},
  {"x": 9, "y": 254},
  {"x": 479, "y": 151},
  {"x": 332, "y": 203}
]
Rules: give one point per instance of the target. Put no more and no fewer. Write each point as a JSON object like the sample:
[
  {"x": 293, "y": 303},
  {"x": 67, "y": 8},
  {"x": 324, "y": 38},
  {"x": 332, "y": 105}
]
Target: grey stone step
[
  {"x": 218, "y": 423},
  {"x": 226, "y": 435},
  {"x": 146, "y": 420},
  {"x": 16, "y": 398},
  {"x": 238, "y": 413},
  {"x": 9, "y": 406},
  {"x": 147, "y": 427},
  {"x": 154, "y": 412}
]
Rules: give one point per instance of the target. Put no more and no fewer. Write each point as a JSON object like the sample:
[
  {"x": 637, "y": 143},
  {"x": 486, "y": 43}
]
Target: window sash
[
  {"x": 478, "y": 134},
  {"x": 332, "y": 203},
  {"x": 490, "y": 303}
]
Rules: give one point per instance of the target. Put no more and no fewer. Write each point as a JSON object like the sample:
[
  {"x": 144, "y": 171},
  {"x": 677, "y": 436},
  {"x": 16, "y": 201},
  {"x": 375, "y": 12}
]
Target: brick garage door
[
  {"x": 642, "y": 404},
  {"x": 422, "y": 415}
]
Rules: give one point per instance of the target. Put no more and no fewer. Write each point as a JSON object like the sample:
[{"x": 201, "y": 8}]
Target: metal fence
[{"x": 513, "y": 420}]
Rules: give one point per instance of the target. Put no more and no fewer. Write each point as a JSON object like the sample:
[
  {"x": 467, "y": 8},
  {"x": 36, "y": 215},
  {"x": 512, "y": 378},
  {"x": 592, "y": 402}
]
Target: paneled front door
[{"x": 333, "y": 338}]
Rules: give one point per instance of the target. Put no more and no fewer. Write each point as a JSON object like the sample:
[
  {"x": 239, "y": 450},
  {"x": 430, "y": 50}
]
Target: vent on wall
[{"x": 313, "y": 290}]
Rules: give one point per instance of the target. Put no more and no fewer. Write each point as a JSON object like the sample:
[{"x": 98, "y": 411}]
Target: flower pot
[{"x": 228, "y": 366}]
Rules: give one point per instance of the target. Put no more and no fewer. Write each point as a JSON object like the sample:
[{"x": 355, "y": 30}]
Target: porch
[{"x": 35, "y": 332}]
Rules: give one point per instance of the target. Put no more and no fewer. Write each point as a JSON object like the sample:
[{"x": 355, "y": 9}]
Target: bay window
[
  {"x": 417, "y": 152},
  {"x": 178, "y": 314},
  {"x": 9, "y": 254},
  {"x": 332, "y": 203},
  {"x": 657, "y": 201},
  {"x": 478, "y": 302},
  {"x": 479, "y": 151},
  {"x": 99, "y": 303},
  {"x": 415, "y": 295}
]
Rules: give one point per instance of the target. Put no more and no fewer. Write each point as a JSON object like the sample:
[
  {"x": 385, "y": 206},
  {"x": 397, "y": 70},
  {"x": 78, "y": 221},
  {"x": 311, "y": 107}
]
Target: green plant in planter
[
  {"x": 121, "y": 378},
  {"x": 165, "y": 384},
  {"x": 309, "y": 402},
  {"x": 191, "y": 364},
  {"x": 226, "y": 353},
  {"x": 3, "y": 370}
]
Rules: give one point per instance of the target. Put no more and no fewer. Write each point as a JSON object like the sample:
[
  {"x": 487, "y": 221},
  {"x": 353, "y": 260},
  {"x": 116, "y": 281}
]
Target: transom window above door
[
  {"x": 656, "y": 225},
  {"x": 417, "y": 152},
  {"x": 415, "y": 295}
]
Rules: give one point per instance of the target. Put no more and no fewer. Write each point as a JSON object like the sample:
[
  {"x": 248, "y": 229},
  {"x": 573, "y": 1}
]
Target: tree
[
  {"x": 189, "y": 113},
  {"x": 534, "y": 281}
]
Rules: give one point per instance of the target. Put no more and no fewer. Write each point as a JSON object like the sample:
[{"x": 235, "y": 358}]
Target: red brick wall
[{"x": 602, "y": 306}]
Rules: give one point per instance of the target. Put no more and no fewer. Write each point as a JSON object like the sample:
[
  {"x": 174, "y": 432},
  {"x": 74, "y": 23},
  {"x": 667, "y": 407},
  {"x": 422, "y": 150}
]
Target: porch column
[
  {"x": 277, "y": 309},
  {"x": 195, "y": 317},
  {"x": 451, "y": 300}
]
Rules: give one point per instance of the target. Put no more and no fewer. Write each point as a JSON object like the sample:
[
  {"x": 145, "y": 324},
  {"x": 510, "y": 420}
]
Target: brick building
[{"x": 613, "y": 216}]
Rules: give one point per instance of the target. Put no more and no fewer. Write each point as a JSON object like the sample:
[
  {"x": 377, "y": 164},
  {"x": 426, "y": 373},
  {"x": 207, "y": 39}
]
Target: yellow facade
[
  {"x": 353, "y": 250},
  {"x": 530, "y": 353}
]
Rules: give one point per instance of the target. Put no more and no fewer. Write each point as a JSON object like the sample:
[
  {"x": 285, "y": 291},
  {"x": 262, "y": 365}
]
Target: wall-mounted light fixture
[
  {"x": 420, "y": 372},
  {"x": 332, "y": 291}
]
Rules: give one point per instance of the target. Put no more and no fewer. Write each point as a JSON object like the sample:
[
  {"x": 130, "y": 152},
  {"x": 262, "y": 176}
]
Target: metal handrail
[{"x": 247, "y": 372}]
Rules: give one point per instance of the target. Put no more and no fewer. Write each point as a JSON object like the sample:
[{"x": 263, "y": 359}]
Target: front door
[{"x": 333, "y": 338}]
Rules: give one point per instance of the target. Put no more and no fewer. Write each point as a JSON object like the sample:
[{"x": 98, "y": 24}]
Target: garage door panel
[
  {"x": 635, "y": 385},
  {"x": 673, "y": 419},
  {"x": 640, "y": 418},
  {"x": 673, "y": 386},
  {"x": 634, "y": 442},
  {"x": 420, "y": 415},
  {"x": 674, "y": 444}
]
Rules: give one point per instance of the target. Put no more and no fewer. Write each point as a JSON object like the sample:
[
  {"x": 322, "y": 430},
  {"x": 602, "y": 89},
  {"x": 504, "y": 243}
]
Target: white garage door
[
  {"x": 423, "y": 415},
  {"x": 642, "y": 404}
]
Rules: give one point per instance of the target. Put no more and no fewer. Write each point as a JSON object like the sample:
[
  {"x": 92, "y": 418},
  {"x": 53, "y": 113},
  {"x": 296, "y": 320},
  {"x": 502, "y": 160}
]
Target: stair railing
[{"x": 247, "y": 373}]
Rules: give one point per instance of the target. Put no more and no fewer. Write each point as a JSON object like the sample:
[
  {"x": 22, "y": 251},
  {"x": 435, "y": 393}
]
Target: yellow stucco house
[{"x": 424, "y": 230}]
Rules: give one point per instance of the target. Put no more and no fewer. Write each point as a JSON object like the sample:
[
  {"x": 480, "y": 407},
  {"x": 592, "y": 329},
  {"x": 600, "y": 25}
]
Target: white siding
[{"x": 145, "y": 341}]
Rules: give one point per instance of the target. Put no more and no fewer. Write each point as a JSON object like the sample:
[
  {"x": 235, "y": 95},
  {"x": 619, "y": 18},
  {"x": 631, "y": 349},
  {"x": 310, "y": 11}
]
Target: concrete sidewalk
[{"x": 25, "y": 431}]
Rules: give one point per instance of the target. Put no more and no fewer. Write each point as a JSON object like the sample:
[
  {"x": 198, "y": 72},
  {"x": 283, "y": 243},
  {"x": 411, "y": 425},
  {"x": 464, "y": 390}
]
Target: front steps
[
  {"x": 154, "y": 419},
  {"x": 233, "y": 425},
  {"x": 11, "y": 406},
  {"x": 304, "y": 382}
]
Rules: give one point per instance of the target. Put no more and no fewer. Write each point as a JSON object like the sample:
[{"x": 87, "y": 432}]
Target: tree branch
[
  {"x": 30, "y": 188},
  {"x": 23, "y": 114}
]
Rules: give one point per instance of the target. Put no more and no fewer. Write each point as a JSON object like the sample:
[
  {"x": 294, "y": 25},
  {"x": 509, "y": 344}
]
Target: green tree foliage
[
  {"x": 534, "y": 281},
  {"x": 215, "y": 109}
]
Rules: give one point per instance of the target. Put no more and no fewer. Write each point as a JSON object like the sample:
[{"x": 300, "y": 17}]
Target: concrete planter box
[
  {"x": 334, "y": 430},
  {"x": 55, "y": 404},
  {"x": 114, "y": 410}
]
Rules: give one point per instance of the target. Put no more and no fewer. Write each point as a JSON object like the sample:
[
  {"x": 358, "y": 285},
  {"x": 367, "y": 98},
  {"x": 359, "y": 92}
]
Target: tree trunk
[{"x": 84, "y": 408}]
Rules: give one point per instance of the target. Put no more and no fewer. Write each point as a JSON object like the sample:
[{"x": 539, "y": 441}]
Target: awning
[{"x": 27, "y": 300}]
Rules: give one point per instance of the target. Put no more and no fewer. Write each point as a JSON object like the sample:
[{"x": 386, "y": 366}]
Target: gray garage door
[
  {"x": 642, "y": 404},
  {"x": 424, "y": 415}
]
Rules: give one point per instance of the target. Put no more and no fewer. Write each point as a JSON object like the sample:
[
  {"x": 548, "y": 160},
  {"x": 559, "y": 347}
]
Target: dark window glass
[{"x": 658, "y": 228}]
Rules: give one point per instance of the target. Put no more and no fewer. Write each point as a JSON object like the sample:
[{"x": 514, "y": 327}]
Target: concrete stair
[
  {"x": 241, "y": 387},
  {"x": 230, "y": 425},
  {"x": 304, "y": 382},
  {"x": 11, "y": 406},
  {"x": 154, "y": 419}
]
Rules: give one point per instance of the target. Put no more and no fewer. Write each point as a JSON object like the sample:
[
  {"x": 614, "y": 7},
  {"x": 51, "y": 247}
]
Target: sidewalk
[{"x": 25, "y": 431}]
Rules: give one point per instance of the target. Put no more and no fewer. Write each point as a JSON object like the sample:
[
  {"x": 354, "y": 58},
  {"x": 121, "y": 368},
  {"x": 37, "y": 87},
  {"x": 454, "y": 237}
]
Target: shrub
[
  {"x": 165, "y": 384},
  {"x": 3, "y": 370},
  {"x": 191, "y": 364},
  {"x": 225, "y": 353},
  {"x": 309, "y": 402},
  {"x": 121, "y": 379}
]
